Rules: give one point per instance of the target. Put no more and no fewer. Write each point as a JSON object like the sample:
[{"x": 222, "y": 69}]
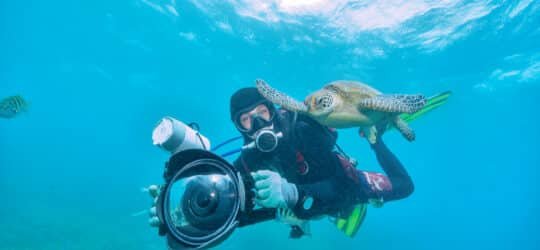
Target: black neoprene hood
[{"x": 246, "y": 99}]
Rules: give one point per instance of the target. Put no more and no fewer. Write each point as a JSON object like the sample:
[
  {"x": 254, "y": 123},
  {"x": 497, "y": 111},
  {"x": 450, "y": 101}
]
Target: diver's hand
[
  {"x": 273, "y": 191},
  {"x": 153, "y": 190}
]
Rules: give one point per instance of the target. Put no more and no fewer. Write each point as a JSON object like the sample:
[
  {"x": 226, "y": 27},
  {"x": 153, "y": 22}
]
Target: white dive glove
[{"x": 273, "y": 191}]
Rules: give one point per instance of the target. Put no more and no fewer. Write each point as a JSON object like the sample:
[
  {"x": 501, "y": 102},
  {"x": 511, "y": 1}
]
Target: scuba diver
[
  {"x": 298, "y": 168},
  {"x": 301, "y": 173}
]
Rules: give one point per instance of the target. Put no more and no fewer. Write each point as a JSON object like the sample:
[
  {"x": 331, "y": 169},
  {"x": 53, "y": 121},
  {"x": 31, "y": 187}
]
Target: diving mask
[{"x": 259, "y": 117}]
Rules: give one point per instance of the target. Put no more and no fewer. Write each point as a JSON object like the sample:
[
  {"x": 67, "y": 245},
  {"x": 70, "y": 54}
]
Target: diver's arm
[{"x": 397, "y": 184}]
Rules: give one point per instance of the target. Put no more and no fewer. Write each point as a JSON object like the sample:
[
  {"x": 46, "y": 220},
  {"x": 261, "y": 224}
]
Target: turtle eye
[{"x": 324, "y": 102}]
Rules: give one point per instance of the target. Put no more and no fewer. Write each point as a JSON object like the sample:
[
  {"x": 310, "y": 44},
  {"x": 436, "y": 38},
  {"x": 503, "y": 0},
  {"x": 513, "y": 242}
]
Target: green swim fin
[
  {"x": 431, "y": 104},
  {"x": 351, "y": 223}
]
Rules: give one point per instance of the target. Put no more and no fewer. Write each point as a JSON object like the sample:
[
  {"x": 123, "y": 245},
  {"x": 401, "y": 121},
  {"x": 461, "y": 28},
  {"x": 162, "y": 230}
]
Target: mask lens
[
  {"x": 262, "y": 112},
  {"x": 246, "y": 121}
]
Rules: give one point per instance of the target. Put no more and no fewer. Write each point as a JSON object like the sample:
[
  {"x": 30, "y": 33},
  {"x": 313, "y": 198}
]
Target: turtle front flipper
[
  {"x": 404, "y": 128},
  {"x": 394, "y": 103},
  {"x": 279, "y": 98}
]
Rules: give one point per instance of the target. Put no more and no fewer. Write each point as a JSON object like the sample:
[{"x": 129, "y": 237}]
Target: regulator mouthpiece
[{"x": 265, "y": 141}]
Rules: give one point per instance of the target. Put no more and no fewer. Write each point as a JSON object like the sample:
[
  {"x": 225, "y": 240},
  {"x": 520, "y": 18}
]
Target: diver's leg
[{"x": 378, "y": 187}]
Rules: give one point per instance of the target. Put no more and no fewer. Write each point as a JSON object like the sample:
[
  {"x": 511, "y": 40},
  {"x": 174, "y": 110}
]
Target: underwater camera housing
[{"x": 204, "y": 197}]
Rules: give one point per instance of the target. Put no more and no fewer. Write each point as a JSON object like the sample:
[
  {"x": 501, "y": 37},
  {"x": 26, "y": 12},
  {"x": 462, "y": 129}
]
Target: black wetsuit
[{"x": 306, "y": 157}]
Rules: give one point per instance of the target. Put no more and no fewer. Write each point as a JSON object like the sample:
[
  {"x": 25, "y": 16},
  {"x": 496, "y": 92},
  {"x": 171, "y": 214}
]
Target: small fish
[{"x": 12, "y": 105}]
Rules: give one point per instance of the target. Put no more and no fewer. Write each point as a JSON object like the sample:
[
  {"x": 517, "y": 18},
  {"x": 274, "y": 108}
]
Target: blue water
[{"x": 100, "y": 74}]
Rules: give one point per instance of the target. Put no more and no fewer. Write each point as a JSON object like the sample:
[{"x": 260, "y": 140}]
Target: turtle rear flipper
[
  {"x": 404, "y": 128},
  {"x": 394, "y": 103}
]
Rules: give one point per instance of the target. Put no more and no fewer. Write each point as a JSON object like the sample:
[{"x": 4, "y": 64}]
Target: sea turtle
[{"x": 346, "y": 104}]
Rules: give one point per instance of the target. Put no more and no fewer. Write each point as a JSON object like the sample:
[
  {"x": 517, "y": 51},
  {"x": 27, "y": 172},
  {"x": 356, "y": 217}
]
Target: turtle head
[{"x": 321, "y": 103}]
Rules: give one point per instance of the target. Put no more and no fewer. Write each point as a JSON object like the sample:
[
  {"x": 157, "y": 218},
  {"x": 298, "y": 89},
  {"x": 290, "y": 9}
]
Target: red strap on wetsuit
[
  {"x": 301, "y": 163},
  {"x": 349, "y": 168}
]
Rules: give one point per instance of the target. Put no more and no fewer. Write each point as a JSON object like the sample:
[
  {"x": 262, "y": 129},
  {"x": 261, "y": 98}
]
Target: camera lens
[{"x": 205, "y": 202}]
